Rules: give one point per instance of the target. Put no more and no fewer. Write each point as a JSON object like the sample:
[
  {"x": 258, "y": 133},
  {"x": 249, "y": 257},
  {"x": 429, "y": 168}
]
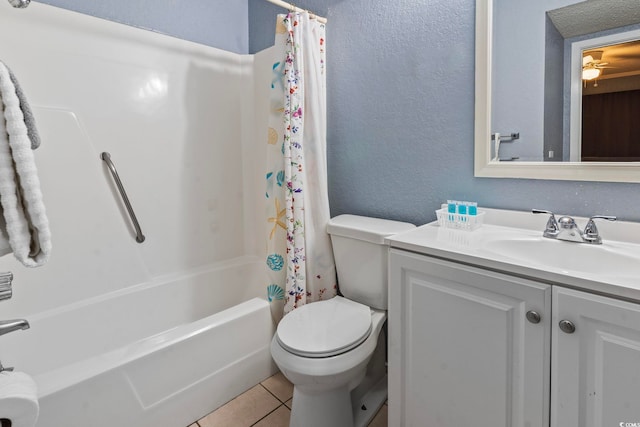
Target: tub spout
[{"x": 7, "y": 326}]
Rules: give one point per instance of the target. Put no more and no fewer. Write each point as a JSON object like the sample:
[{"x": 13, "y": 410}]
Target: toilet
[{"x": 333, "y": 351}]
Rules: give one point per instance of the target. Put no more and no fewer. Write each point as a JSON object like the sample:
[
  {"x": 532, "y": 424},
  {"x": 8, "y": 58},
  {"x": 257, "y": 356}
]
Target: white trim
[
  {"x": 484, "y": 31},
  {"x": 565, "y": 171},
  {"x": 485, "y": 167}
]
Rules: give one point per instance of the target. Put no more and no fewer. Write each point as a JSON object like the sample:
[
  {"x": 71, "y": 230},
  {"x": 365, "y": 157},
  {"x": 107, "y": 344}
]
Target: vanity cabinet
[
  {"x": 467, "y": 349},
  {"x": 596, "y": 367},
  {"x": 461, "y": 350}
]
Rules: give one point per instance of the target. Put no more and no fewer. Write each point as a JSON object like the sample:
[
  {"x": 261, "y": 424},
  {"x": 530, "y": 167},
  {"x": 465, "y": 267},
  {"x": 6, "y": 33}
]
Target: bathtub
[{"x": 163, "y": 353}]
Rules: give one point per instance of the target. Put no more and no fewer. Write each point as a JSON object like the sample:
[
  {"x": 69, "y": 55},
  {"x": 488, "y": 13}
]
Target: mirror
[
  {"x": 604, "y": 112},
  {"x": 530, "y": 92}
]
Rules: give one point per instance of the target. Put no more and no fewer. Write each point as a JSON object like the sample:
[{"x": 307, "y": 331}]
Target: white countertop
[{"x": 469, "y": 247}]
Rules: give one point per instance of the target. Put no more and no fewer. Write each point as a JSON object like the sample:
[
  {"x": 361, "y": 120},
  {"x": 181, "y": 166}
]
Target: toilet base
[
  {"x": 365, "y": 408},
  {"x": 342, "y": 412},
  {"x": 371, "y": 393},
  {"x": 347, "y": 406},
  {"x": 328, "y": 409}
]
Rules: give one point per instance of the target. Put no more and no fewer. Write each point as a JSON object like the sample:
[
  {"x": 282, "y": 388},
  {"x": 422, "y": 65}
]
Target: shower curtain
[{"x": 300, "y": 260}]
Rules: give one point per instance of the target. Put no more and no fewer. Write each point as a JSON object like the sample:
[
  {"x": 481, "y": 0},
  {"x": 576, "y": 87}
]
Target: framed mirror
[{"x": 535, "y": 109}]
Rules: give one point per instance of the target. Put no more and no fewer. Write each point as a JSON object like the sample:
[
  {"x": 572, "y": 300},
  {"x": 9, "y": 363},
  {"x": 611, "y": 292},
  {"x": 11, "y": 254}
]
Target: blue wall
[
  {"x": 401, "y": 115},
  {"x": 400, "y": 102},
  {"x": 219, "y": 23}
]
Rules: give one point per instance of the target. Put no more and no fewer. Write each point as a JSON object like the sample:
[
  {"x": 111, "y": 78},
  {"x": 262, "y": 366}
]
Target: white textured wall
[{"x": 170, "y": 113}]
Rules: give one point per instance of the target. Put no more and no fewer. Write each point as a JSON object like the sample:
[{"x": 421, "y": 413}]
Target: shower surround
[{"x": 174, "y": 326}]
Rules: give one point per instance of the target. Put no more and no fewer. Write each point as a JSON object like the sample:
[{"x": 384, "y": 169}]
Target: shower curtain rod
[{"x": 293, "y": 7}]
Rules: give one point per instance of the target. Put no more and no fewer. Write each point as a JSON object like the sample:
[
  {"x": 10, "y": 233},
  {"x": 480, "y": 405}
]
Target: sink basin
[{"x": 607, "y": 260}]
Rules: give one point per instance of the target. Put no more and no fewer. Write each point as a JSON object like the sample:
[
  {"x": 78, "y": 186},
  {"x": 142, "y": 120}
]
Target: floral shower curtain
[{"x": 300, "y": 260}]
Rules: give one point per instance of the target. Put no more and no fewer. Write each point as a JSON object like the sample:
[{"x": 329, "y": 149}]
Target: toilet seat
[{"x": 325, "y": 328}]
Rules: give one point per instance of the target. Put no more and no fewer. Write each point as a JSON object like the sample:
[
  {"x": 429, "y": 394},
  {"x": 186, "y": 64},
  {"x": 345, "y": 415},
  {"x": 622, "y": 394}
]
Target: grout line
[
  {"x": 272, "y": 394},
  {"x": 269, "y": 413}
]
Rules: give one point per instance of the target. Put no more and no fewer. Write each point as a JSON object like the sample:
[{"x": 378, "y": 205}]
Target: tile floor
[{"x": 268, "y": 404}]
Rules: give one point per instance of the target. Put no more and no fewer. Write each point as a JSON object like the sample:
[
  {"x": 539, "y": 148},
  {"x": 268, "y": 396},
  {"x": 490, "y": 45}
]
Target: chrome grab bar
[
  {"x": 5, "y": 285},
  {"x": 107, "y": 159}
]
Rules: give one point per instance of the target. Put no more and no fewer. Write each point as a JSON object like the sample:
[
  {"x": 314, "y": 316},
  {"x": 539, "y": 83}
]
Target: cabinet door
[
  {"x": 461, "y": 350},
  {"x": 596, "y": 369}
]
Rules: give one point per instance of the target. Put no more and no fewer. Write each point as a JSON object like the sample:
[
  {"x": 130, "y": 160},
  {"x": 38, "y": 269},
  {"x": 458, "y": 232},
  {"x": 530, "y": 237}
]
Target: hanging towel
[
  {"x": 18, "y": 399},
  {"x": 29, "y": 119},
  {"x": 25, "y": 222}
]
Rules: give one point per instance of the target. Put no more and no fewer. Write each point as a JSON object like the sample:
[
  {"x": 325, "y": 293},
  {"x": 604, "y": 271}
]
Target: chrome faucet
[
  {"x": 565, "y": 228},
  {"x": 7, "y": 326}
]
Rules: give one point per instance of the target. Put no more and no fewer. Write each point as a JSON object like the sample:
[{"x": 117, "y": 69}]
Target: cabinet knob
[
  {"x": 533, "y": 316},
  {"x": 567, "y": 326}
]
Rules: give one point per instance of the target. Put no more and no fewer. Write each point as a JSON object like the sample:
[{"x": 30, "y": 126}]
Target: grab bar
[{"x": 107, "y": 159}]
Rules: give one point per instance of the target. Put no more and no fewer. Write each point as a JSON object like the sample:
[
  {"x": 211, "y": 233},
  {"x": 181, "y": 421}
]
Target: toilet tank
[{"x": 361, "y": 256}]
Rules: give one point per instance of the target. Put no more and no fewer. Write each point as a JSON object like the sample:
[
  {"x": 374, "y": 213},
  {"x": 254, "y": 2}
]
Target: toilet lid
[{"x": 325, "y": 328}]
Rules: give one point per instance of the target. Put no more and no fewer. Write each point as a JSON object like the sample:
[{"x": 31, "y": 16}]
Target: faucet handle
[
  {"x": 607, "y": 217},
  {"x": 591, "y": 233},
  {"x": 552, "y": 228}
]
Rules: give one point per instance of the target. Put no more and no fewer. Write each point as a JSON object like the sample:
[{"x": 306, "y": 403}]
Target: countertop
[{"x": 467, "y": 247}]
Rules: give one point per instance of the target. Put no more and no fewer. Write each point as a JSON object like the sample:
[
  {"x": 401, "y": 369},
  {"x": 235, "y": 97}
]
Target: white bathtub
[
  {"x": 159, "y": 354},
  {"x": 124, "y": 334}
]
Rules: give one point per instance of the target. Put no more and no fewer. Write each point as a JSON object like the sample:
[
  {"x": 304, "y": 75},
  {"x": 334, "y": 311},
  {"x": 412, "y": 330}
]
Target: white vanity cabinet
[
  {"x": 462, "y": 351},
  {"x": 595, "y": 378}
]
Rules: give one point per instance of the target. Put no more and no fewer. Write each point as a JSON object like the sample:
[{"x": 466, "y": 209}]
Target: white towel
[
  {"x": 29, "y": 118},
  {"x": 18, "y": 399},
  {"x": 26, "y": 226}
]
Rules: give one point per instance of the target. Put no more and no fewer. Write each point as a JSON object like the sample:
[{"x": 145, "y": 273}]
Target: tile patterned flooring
[{"x": 268, "y": 404}]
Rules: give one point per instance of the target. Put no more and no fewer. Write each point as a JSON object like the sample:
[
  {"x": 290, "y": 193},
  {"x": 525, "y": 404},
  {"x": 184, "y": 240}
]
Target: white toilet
[{"x": 333, "y": 351}]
